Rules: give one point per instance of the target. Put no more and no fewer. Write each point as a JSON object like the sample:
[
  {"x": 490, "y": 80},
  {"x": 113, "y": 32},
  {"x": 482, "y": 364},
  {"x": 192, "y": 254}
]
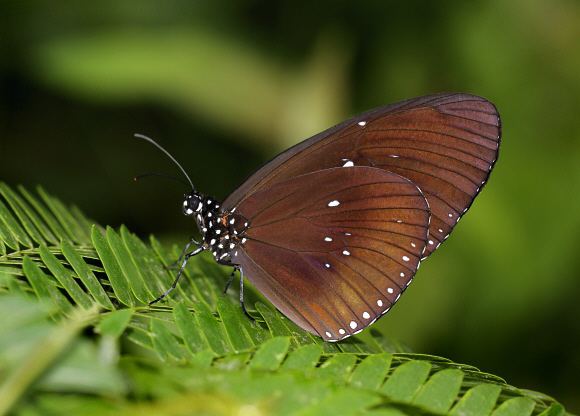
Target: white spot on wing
[
  {"x": 405, "y": 258},
  {"x": 379, "y": 303},
  {"x": 328, "y": 334},
  {"x": 353, "y": 324},
  {"x": 327, "y": 239},
  {"x": 341, "y": 331},
  {"x": 327, "y": 265},
  {"x": 334, "y": 203},
  {"x": 346, "y": 252},
  {"x": 348, "y": 164},
  {"x": 366, "y": 315},
  {"x": 390, "y": 290},
  {"x": 362, "y": 123}
]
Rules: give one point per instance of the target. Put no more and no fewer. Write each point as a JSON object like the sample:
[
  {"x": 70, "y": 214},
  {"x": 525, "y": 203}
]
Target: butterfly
[{"x": 333, "y": 230}]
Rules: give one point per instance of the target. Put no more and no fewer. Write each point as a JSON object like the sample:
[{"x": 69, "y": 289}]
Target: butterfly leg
[
  {"x": 228, "y": 284},
  {"x": 231, "y": 279},
  {"x": 183, "y": 252},
  {"x": 186, "y": 258},
  {"x": 242, "y": 304}
]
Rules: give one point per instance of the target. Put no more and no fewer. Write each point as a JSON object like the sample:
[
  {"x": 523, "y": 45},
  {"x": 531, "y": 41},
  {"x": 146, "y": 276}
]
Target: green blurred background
[{"x": 225, "y": 85}]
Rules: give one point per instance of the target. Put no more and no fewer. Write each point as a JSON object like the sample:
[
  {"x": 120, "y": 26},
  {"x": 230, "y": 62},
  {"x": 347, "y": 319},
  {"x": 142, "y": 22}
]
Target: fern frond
[{"x": 198, "y": 346}]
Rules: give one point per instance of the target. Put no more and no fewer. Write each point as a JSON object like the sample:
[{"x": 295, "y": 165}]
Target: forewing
[
  {"x": 446, "y": 144},
  {"x": 334, "y": 249}
]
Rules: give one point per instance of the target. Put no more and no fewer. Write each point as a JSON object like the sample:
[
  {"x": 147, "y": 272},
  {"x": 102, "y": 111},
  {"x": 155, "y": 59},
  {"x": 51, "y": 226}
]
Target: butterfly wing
[
  {"x": 334, "y": 249},
  {"x": 446, "y": 144}
]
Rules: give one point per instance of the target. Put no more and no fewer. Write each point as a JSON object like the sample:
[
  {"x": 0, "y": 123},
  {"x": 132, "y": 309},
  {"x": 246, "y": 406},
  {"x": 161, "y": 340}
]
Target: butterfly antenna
[{"x": 154, "y": 143}]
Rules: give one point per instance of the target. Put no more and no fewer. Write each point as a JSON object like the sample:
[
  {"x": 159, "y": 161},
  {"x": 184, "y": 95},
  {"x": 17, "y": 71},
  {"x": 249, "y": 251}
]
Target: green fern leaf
[{"x": 79, "y": 332}]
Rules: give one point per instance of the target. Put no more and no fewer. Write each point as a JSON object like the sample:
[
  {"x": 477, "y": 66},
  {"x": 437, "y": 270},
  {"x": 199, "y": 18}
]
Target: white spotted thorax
[{"x": 223, "y": 232}]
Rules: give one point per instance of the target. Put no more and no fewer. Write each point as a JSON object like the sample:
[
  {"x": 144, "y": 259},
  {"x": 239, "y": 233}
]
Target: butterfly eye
[
  {"x": 187, "y": 208},
  {"x": 191, "y": 204}
]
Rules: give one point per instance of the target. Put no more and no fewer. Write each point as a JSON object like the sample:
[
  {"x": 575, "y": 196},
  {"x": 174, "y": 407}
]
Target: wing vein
[
  {"x": 441, "y": 134},
  {"x": 430, "y": 151}
]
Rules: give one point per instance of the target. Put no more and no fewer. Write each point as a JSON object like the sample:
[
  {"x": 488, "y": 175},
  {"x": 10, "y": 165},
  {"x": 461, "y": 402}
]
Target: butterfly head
[{"x": 192, "y": 203}]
